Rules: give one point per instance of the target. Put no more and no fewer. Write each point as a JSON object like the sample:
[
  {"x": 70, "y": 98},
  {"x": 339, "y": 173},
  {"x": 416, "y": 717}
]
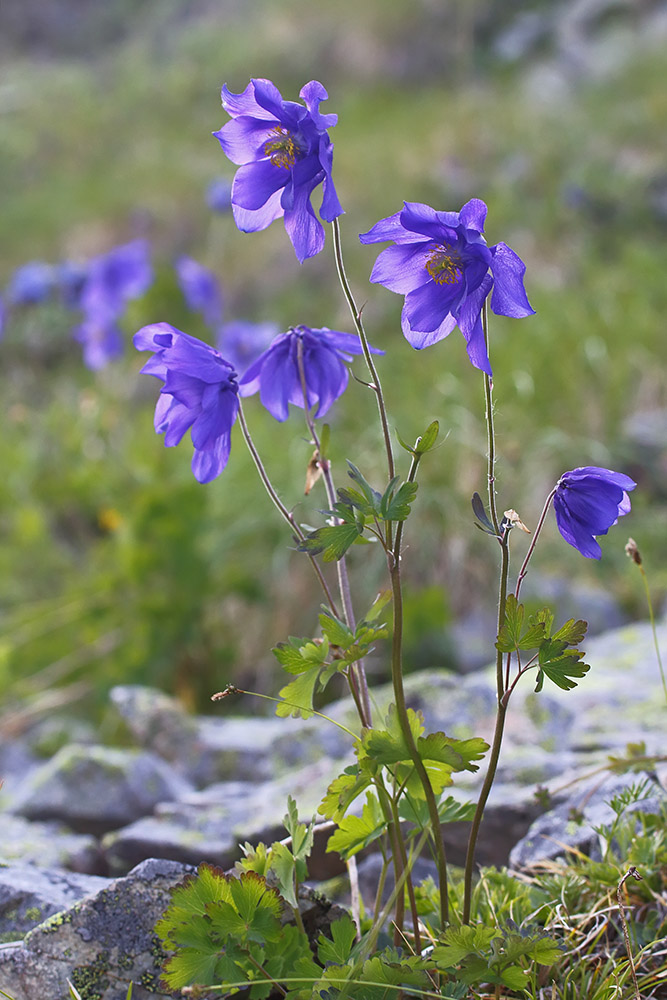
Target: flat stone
[
  {"x": 94, "y": 788},
  {"x": 48, "y": 845},
  {"x": 28, "y": 895}
]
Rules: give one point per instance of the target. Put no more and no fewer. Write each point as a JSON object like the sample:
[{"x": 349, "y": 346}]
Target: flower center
[
  {"x": 444, "y": 265},
  {"x": 283, "y": 150}
]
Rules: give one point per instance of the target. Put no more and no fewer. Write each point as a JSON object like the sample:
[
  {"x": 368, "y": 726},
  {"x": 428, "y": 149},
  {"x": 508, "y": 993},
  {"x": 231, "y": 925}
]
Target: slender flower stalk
[
  {"x": 632, "y": 551},
  {"x": 280, "y": 506},
  {"x": 533, "y": 542},
  {"x": 357, "y": 675},
  {"x": 491, "y": 434},
  {"x": 497, "y": 739},
  {"x": 375, "y": 385}
]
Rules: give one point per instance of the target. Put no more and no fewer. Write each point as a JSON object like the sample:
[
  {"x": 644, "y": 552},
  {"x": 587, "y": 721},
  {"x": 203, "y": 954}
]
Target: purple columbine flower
[
  {"x": 201, "y": 289},
  {"x": 284, "y": 152},
  {"x": 199, "y": 394},
  {"x": 587, "y": 502},
  {"x": 276, "y": 372},
  {"x": 441, "y": 263},
  {"x": 242, "y": 342},
  {"x": 30, "y": 284}
]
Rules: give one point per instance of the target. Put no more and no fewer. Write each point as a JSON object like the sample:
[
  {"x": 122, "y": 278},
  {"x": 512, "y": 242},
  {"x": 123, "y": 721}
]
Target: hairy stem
[{"x": 533, "y": 542}]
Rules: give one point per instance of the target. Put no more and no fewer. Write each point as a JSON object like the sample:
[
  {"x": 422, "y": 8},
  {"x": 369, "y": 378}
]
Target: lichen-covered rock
[
  {"x": 28, "y": 895},
  {"x": 94, "y": 788},
  {"x": 49, "y": 845},
  {"x": 101, "y": 944}
]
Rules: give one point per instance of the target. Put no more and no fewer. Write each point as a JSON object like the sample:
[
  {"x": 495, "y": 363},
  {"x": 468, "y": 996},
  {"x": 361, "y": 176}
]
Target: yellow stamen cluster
[
  {"x": 282, "y": 150},
  {"x": 444, "y": 265}
]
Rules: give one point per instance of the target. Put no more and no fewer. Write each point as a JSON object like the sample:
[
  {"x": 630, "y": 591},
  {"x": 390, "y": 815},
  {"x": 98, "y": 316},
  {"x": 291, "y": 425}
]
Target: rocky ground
[{"x": 79, "y": 895}]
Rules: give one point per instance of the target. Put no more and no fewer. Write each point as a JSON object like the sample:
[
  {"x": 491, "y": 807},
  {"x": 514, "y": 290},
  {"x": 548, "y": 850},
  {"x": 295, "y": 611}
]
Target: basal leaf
[
  {"x": 343, "y": 936},
  {"x": 191, "y": 966},
  {"x": 459, "y": 942}
]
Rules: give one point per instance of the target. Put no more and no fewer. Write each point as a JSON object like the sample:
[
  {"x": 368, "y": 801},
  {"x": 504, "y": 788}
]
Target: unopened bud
[
  {"x": 632, "y": 551},
  {"x": 225, "y": 693}
]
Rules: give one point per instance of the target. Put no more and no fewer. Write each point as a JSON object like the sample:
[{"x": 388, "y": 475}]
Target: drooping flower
[
  {"x": 242, "y": 342},
  {"x": 587, "y": 502},
  {"x": 276, "y": 373},
  {"x": 31, "y": 283},
  {"x": 441, "y": 263},
  {"x": 201, "y": 289},
  {"x": 200, "y": 394},
  {"x": 284, "y": 152}
]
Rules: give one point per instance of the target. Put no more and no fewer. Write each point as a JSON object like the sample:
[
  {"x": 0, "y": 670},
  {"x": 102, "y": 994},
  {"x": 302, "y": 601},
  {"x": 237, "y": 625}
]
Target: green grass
[{"x": 190, "y": 585}]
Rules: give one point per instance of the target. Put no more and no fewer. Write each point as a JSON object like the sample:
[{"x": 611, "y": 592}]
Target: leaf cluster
[
  {"x": 554, "y": 657},
  {"x": 315, "y": 661},
  {"x": 357, "y": 507},
  {"x": 385, "y": 751}
]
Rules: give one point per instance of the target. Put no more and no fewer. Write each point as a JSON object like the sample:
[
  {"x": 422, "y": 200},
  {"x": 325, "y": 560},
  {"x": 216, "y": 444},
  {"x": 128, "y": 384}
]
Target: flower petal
[
  {"x": 402, "y": 268},
  {"x": 243, "y": 139},
  {"x": 254, "y": 184},
  {"x": 509, "y": 296},
  {"x": 252, "y": 222},
  {"x": 303, "y": 227},
  {"x": 313, "y": 93},
  {"x": 420, "y": 340},
  {"x": 473, "y": 215}
]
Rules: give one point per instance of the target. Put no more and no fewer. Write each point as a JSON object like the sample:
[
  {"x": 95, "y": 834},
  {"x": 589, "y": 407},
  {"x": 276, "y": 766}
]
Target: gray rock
[
  {"x": 212, "y": 824},
  {"x": 49, "y": 845},
  {"x": 101, "y": 944},
  {"x": 94, "y": 788},
  {"x": 29, "y": 895},
  {"x": 576, "y": 599},
  {"x": 571, "y": 824},
  {"x": 156, "y": 721}
]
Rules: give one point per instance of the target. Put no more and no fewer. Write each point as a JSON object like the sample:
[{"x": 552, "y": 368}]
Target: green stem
[
  {"x": 280, "y": 506},
  {"x": 497, "y": 739},
  {"x": 376, "y": 385},
  {"x": 533, "y": 542},
  {"x": 652, "y": 620},
  {"x": 357, "y": 675},
  {"x": 404, "y": 722}
]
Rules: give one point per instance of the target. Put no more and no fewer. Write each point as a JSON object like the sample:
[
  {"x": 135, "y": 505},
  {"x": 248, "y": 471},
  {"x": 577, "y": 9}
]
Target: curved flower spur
[
  {"x": 284, "y": 152},
  {"x": 441, "y": 263}
]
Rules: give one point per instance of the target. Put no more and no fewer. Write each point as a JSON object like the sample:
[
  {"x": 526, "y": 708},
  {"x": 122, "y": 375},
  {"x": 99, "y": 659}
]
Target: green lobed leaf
[
  {"x": 332, "y": 541},
  {"x": 396, "y": 506},
  {"x": 337, "y": 949},
  {"x": 342, "y": 792},
  {"x": 298, "y": 696},
  {"x": 459, "y": 942},
  {"x": 572, "y": 632},
  {"x": 449, "y": 810},
  {"x": 356, "y": 832},
  {"x": 560, "y": 665},
  {"x": 336, "y": 631},
  {"x": 297, "y": 655},
  {"x": 371, "y": 495}
]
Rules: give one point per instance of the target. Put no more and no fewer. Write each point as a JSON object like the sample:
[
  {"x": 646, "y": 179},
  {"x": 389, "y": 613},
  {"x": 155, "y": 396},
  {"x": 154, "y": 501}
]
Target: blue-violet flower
[
  {"x": 441, "y": 263},
  {"x": 276, "y": 373},
  {"x": 587, "y": 502},
  {"x": 199, "y": 394},
  {"x": 284, "y": 152},
  {"x": 242, "y": 342},
  {"x": 201, "y": 289},
  {"x": 31, "y": 283}
]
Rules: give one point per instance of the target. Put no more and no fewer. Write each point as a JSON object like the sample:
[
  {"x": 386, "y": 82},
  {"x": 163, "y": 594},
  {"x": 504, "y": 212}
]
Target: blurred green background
[{"x": 116, "y": 566}]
